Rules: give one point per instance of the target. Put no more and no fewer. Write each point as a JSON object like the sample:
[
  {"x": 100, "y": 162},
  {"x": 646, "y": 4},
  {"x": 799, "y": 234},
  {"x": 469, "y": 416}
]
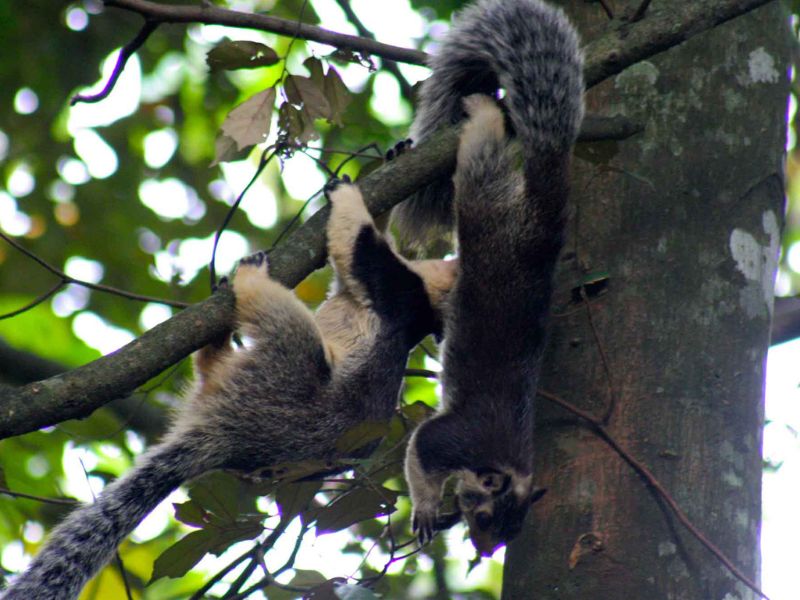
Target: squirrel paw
[
  {"x": 398, "y": 149},
  {"x": 423, "y": 524},
  {"x": 255, "y": 260},
  {"x": 222, "y": 284},
  {"x": 333, "y": 184}
]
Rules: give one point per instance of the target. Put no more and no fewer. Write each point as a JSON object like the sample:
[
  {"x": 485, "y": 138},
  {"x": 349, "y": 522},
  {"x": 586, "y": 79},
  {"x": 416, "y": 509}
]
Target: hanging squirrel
[
  {"x": 301, "y": 382},
  {"x": 507, "y": 199}
]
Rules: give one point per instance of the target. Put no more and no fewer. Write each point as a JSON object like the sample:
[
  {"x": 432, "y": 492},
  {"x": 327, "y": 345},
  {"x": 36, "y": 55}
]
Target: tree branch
[
  {"x": 65, "y": 279},
  {"x": 79, "y": 392},
  {"x": 211, "y": 15},
  {"x": 124, "y": 54},
  {"x": 18, "y": 367},
  {"x": 628, "y": 43}
]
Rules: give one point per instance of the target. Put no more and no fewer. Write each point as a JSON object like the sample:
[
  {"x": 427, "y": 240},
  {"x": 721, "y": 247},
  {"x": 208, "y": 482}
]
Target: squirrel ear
[{"x": 537, "y": 494}]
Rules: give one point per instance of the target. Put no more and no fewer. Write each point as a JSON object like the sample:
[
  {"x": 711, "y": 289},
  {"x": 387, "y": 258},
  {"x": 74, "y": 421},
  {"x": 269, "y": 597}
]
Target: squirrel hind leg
[
  {"x": 265, "y": 309},
  {"x": 349, "y": 217},
  {"x": 485, "y": 123}
]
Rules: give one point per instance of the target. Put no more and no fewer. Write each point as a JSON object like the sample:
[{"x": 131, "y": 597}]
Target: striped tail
[
  {"x": 525, "y": 47},
  {"x": 87, "y": 539}
]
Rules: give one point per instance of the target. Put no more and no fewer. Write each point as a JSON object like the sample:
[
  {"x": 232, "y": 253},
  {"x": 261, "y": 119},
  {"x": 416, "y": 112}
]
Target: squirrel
[
  {"x": 301, "y": 382},
  {"x": 507, "y": 200}
]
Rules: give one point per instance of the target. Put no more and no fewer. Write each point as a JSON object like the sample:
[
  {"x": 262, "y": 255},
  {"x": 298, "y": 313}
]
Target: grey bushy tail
[
  {"x": 525, "y": 47},
  {"x": 86, "y": 540}
]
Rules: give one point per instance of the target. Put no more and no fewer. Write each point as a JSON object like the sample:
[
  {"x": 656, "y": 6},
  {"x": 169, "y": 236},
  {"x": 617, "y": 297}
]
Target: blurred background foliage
[{"x": 122, "y": 193}]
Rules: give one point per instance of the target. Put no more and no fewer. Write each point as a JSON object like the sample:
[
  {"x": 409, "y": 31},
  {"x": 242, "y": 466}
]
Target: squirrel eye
[
  {"x": 495, "y": 482},
  {"x": 491, "y": 480}
]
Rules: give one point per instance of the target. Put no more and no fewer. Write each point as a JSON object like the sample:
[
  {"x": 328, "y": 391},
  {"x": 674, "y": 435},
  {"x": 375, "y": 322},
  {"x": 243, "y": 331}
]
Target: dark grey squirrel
[{"x": 507, "y": 203}]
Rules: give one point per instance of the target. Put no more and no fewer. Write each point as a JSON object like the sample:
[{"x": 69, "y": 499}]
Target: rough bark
[{"x": 684, "y": 220}]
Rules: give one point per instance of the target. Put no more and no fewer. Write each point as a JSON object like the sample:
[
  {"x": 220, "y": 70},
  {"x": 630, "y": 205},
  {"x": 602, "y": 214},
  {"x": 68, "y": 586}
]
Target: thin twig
[
  {"x": 93, "y": 286},
  {"x": 612, "y": 394},
  {"x": 361, "y": 152},
  {"x": 266, "y": 156},
  {"x": 349, "y": 153},
  {"x": 389, "y": 65},
  {"x": 645, "y": 473},
  {"x": 233, "y": 589},
  {"x": 124, "y": 54},
  {"x": 117, "y": 556},
  {"x": 222, "y": 572},
  {"x": 421, "y": 373},
  {"x": 429, "y": 353},
  {"x": 269, "y": 578},
  {"x": 392, "y": 549},
  {"x": 59, "y": 501},
  {"x": 606, "y": 8},
  {"x": 640, "y": 11},
  {"x": 295, "y": 218},
  {"x": 124, "y": 575},
  {"x": 36, "y": 302}
]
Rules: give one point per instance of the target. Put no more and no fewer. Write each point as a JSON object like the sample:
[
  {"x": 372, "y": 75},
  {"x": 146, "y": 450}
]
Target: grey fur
[
  {"x": 510, "y": 226},
  {"x": 289, "y": 396},
  {"x": 526, "y": 47},
  {"x": 88, "y": 537}
]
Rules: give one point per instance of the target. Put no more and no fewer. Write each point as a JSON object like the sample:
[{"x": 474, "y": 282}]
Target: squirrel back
[{"x": 525, "y": 47}]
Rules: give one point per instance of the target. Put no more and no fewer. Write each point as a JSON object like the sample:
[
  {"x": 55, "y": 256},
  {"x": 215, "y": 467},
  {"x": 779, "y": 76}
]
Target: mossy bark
[{"x": 681, "y": 224}]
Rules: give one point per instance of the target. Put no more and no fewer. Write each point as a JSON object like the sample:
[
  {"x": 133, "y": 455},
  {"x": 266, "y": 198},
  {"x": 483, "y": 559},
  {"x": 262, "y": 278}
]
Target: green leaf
[
  {"x": 219, "y": 493},
  {"x": 230, "y": 533},
  {"x": 191, "y": 513},
  {"x": 248, "y": 124},
  {"x": 179, "y": 558},
  {"x": 351, "y": 591},
  {"x": 344, "y": 55},
  {"x": 314, "y": 66},
  {"x": 304, "y": 92},
  {"x": 176, "y": 560},
  {"x": 226, "y": 150},
  {"x": 286, "y": 472},
  {"x": 230, "y": 55},
  {"x": 337, "y": 94},
  {"x": 358, "y": 505},
  {"x": 295, "y": 498},
  {"x": 296, "y": 124},
  {"x": 360, "y": 435},
  {"x": 417, "y": 412},
  {"x": 306, "y": 578},
  {"x": 325, "y": 591}
]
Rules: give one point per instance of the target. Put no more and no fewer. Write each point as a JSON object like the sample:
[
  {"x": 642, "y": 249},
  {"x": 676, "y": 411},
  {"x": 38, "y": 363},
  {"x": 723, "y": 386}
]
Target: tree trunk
[{"x": 680, "y": 226}]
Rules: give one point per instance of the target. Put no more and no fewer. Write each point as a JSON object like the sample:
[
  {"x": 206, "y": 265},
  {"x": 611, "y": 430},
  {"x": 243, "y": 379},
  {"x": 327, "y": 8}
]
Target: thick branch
[
  {"x": 77, "y": 393},
  {"x": 18, "y": 367},
  {"x": 628, "y": 43},
  {"x": 211, "y": 15}
]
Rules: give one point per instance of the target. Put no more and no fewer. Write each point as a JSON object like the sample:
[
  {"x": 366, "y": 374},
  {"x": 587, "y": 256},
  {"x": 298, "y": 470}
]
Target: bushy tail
[
  {"x": 86, "y": 540},
  {"x": 525, "y": 47}
]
